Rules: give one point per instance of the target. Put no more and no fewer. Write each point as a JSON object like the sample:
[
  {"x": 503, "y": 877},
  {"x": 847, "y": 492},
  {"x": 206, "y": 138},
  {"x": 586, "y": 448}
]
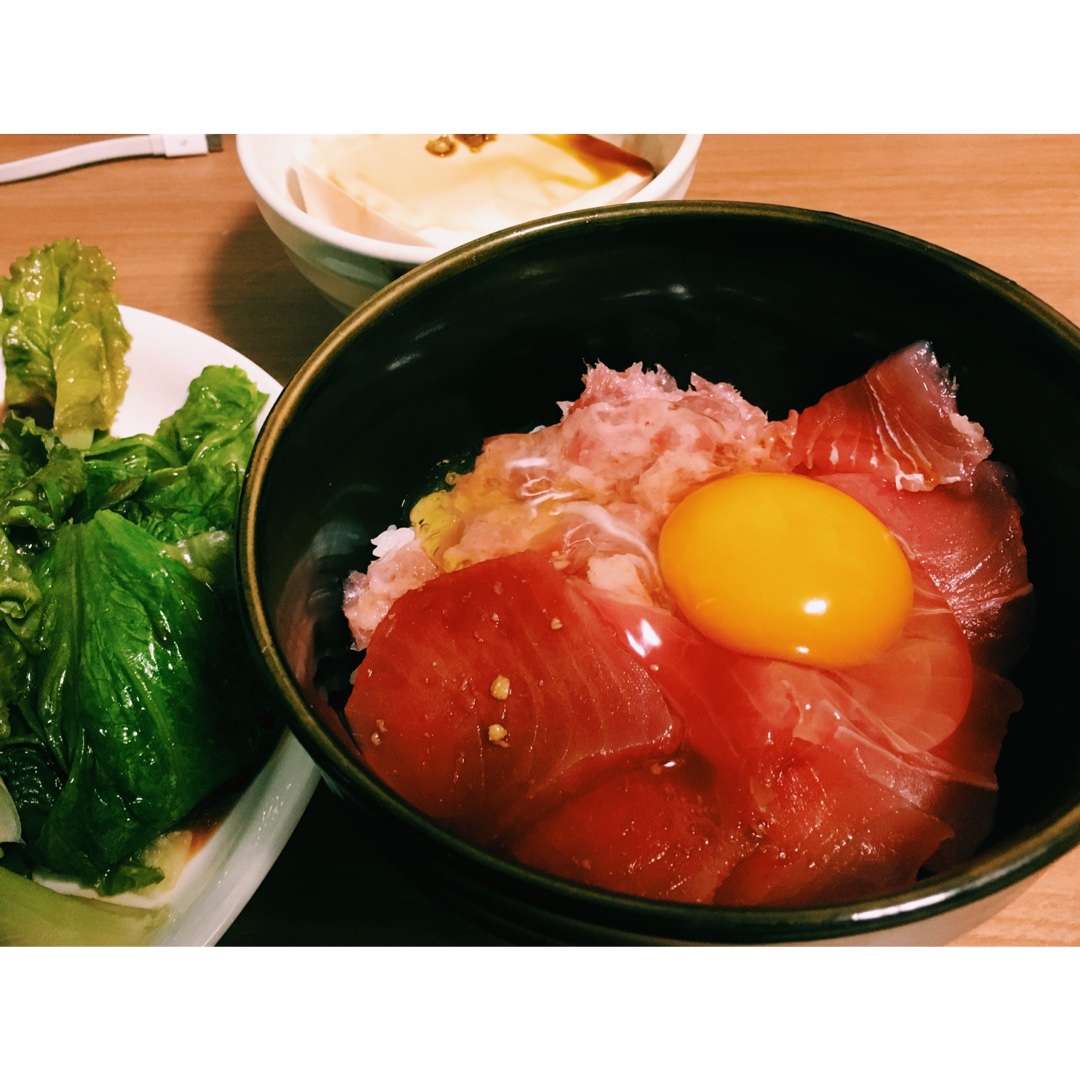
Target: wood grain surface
[{"x": 188, "y": 243}]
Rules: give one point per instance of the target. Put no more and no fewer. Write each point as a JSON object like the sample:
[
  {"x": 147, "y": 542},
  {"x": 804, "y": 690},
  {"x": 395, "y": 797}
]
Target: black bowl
[{"x": 783, "y": 303}]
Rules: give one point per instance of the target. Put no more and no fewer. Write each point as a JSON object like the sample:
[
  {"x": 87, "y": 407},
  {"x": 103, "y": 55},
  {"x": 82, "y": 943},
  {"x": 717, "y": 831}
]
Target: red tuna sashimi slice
[
  {"x": 898, "y": 421},
  {"x": 910, "y": 699},
  {"x": 652, "y": 831},
  {"x": 895, "y": 724},
  {"x": 831, "y": 835},
  {"x": 491, "y": 692},
  {"x": 972, "y": 546},
  {"x": 794, "y": 788},
  {"x": 976, "y": 744}
]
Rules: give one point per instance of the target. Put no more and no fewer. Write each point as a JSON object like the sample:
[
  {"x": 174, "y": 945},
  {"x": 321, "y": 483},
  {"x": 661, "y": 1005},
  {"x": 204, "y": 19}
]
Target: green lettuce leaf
[
  {"x": 20, "y": 627},
  {"x": 63, "y": 339},
  {"x": 190, "y": 473},
  {"x": 144, "y": 692},
  {"x": 32, "y": 496},
  {"x": 192, "y": 468},
  {"x": 33, "y": 781},
  {"x": 217, "y": 422},
  {"x": 212, "y": 434}
]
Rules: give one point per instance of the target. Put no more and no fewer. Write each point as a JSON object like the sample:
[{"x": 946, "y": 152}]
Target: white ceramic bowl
[{"x": 347, "y": 268}]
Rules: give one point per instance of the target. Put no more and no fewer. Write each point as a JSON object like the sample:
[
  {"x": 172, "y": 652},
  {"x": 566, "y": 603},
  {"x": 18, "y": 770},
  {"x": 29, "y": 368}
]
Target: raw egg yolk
[{"x": 782, "y": 566}]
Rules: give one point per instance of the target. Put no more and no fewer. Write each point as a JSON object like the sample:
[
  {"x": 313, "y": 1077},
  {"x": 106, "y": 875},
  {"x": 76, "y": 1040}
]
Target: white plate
[{"x": 220, "y": 879}]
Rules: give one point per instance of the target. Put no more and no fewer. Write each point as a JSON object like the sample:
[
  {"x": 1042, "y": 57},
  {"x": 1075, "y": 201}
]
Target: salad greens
[
  {"x": 125, "y": 693},
  {"x": 63, "y": 340}
]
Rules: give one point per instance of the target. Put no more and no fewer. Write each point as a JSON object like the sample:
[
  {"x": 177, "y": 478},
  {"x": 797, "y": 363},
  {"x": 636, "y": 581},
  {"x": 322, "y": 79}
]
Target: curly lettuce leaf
[
  {"x": 20, "y": 627},
  {"x": 213, "y": 430},
  {"x": 217, "y": 422},
  {"x": 139, "y": 667},
  {"x": 212, "y": 434},
  {"x": 23, "y": 450},
  {"x": 191, "y": 470},
  {"x": 33, "y": 782},
  {"x": 63, "y": 339},
  {"x": 40, "y": 480}
]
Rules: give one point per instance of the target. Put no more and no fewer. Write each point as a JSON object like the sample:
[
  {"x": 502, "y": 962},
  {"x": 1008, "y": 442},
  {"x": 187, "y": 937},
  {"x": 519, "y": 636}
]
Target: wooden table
[{"x": 189, "y": 244}]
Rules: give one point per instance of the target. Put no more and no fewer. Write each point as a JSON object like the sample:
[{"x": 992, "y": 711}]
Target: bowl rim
[
  {"x": 410, "y": 254},
  {"x": 980, "y": 877}
]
